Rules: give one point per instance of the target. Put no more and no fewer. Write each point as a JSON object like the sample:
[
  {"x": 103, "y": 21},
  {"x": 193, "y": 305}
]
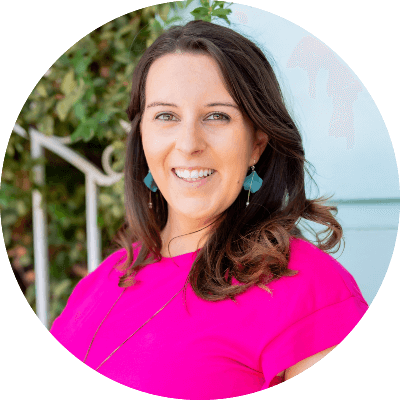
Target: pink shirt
[{"x": 208, "y": 350}]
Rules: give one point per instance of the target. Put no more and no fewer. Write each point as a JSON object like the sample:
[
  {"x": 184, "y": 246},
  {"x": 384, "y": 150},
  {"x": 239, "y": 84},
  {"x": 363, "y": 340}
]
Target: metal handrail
[{"x": 93, "y": 178}]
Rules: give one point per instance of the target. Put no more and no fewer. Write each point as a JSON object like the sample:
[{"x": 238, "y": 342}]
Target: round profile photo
[{"x": 199, "y": 200}]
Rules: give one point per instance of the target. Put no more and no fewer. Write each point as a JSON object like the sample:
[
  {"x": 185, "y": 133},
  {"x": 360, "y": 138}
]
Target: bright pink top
[{"x": 208, "y": 350}]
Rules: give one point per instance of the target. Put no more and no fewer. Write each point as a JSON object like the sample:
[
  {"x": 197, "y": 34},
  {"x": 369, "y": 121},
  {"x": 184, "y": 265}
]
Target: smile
[
  {"x": 204, "y": 176},
  {"x": 201, "y": 181}
]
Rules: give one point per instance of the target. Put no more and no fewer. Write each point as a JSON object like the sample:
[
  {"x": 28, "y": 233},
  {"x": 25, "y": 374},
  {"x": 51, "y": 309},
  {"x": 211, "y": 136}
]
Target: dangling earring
[
  {"x": 151, "y": 184},
  {"x": 252, "y": 183}
]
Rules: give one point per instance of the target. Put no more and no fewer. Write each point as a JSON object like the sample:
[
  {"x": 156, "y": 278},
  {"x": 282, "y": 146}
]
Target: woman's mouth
[
  {"x": 193, "y": 176},
  {"x": 189, "y": 181}
]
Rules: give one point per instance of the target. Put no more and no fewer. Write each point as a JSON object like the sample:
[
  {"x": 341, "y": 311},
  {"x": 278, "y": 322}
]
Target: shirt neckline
[{"x": 184, "y": 255}]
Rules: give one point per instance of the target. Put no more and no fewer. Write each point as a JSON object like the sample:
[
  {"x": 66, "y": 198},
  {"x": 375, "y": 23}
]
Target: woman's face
[{"x": 191, "y": 125}]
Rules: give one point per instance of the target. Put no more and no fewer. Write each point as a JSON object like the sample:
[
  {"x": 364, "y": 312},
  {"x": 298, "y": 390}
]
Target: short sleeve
[
  {"x": 318, "y": 308},
  {"x": 318, "y": 331}
]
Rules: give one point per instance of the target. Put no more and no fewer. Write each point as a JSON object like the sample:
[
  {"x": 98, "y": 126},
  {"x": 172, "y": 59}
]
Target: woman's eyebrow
[{"x": 160, "y": 103}]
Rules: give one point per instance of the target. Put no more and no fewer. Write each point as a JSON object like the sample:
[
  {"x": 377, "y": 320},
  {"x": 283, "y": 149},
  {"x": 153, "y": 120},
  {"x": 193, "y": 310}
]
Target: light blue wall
[{"x": 345, "y": 139}]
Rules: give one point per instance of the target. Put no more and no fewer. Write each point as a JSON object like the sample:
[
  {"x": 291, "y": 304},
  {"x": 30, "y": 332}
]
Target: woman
[{"x": 215, "y": 294}]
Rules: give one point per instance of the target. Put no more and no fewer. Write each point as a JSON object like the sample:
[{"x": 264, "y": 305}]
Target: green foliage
[
  {"x": 208, "y": 12},
  {"x": 83, "y": 95}
]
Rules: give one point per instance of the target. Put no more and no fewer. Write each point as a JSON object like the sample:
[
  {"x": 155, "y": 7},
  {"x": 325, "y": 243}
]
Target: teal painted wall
[{"x": 345, "y": 139}]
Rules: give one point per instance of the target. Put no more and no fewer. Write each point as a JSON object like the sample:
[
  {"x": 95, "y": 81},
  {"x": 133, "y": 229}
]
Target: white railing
[{"x": 93, "y": 178}]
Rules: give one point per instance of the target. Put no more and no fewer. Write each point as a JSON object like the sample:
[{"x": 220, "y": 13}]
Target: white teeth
[{"x": 194, "y": 174}]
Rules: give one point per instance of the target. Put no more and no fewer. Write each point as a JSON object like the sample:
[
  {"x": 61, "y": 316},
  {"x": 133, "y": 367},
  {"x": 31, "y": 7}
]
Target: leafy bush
[{"x": 83, "y": 95}]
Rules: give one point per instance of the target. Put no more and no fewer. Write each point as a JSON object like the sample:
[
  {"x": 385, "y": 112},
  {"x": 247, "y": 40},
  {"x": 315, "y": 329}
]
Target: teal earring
[
  {"x": 252, "y": 183},
  {"x": 151, "y": 184}
]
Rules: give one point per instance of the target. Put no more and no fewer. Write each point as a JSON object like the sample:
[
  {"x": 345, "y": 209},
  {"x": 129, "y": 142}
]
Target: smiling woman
[
  {"x": 192, "y": 125},
  {"x": 240, "y": 301}
]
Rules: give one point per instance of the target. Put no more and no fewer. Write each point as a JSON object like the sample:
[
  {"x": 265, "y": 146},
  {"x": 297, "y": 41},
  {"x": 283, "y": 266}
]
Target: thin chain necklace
[
  {"x": 101, "y": 323},
  {"x": 116, "y": 301}
]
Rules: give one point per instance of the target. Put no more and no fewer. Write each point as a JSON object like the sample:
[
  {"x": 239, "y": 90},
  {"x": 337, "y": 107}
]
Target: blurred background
[{"x": 82, "y": 99}]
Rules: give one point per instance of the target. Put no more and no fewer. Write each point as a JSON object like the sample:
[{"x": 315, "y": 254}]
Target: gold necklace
[
  {"x": 101, "y": 323},
  {"x": 169, "y": 301}
]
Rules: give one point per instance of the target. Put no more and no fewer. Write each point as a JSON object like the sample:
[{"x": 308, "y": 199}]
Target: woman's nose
[{"x": 190, "y": 138}]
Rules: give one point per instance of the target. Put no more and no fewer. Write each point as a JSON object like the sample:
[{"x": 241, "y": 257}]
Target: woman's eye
[
  {"x": 225, "y": 117},
  {"x": 165, "y": 117},
  {"x": 220, "y": 115}
]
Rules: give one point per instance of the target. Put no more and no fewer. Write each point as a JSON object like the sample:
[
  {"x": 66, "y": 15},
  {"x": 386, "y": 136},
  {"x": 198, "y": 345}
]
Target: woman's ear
[{"x": 260, "y": 143}]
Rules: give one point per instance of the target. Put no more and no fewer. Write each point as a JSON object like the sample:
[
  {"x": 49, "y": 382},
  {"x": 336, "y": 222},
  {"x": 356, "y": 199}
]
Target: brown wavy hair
[{"x": 250, "y": 244}]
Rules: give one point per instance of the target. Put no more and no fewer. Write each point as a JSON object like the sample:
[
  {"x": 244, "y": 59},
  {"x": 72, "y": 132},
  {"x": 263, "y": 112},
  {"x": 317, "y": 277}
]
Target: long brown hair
[{"x": 250, "y": 244}]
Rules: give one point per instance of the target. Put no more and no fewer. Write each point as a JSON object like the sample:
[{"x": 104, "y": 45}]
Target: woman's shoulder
[
  {"x": 320, "y": 272},
  {"x": 112, "y": 264},
  {"x": 109, "y": 263},
  {"x": 107, "y": 272},
  {"x": 308, "y": 257}
]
